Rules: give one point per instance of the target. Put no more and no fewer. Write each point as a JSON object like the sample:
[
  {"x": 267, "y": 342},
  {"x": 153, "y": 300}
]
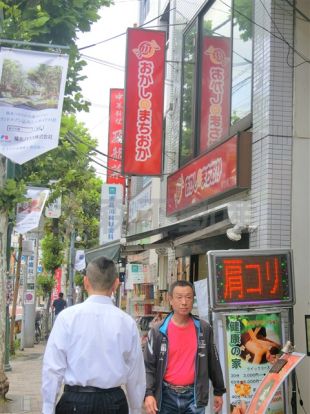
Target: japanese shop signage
[
  {"x": 272, "y": 381},
  {"x": 111, "y": 213},
  {"x": 253, "y": 340},
  {"x": 212, "y": 175},
  {"x": 115, "y": 140},
  {"x": 215, "y": 91},
  {"x": 250, "y": 278},
  {"x": 31, "y": 96},
  {"x": 144, "y": 94}
]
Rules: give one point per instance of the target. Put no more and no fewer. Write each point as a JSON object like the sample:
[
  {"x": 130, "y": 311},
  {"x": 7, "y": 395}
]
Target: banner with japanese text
[
  {"x": 31, "y": 96},
  {"x": 115, "y": 140},
  {"x": 28, "y": 214},
  {"x": 215, "y": 91},
  {"x": 111, "y": 213},
  {"x": 253, "y": 341},
  {"x": 144, "y": 98},
  {"x": 57, "y": 287}
]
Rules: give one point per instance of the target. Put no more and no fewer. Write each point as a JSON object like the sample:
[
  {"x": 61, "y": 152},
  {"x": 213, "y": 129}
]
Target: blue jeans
[{"x": 176, "y": 403}]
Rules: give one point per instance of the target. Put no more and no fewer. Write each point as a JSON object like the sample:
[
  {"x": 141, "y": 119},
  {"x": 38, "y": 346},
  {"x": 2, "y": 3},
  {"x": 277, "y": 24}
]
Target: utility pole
[{"x": 71, "y": 268}]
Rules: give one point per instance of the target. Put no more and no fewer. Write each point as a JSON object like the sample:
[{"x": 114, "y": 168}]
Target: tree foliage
[
  {"x": 45, "y": 284},
  {"x": 57, "y": 22}
]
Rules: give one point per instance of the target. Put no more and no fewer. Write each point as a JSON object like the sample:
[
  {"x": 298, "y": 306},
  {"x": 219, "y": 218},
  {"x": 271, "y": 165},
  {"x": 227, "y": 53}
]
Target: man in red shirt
[{"x": 180, "y": 358}]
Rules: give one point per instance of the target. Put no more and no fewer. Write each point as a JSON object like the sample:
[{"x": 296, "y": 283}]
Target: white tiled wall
[{"x": 272, "y": 125}]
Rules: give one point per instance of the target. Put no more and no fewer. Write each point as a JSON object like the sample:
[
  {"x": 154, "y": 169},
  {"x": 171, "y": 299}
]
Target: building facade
[{"x": 256, "y": 54}]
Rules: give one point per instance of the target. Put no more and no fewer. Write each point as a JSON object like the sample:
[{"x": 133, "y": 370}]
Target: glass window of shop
[
  {"x": 188, "y": 95},
  {"x": 217, "y": 91}
]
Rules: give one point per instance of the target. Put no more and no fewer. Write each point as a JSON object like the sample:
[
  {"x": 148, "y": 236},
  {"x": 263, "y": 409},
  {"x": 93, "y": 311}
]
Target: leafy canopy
[{"x": 57, "y": 22}]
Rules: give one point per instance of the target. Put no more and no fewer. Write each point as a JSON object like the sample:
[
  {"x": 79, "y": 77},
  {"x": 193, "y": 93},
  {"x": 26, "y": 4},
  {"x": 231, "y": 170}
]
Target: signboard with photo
[
  {"x": 32, "y": 87},
  {"x": 253, "y": 341}
]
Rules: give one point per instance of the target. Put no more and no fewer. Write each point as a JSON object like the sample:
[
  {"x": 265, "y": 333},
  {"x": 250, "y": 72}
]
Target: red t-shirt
[{"x": 182, "y": 351}]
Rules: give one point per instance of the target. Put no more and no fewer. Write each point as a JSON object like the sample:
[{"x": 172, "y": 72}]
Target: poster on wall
[
  {"x": 32, "y": 88},
  {"x": 253, "y": 341}
]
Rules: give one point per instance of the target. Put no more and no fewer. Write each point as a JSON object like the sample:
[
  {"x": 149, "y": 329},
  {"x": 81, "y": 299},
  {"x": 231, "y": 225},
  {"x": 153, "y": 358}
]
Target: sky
[{"x": 100, "y": 77}]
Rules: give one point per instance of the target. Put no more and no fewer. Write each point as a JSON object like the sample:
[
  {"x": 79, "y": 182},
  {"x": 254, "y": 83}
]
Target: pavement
[{"x": 24, "y": 394}]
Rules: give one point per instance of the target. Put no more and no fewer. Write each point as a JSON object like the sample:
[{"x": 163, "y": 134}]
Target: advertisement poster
[
  {"x": 28, "y": 214},
  {"x": 144, "y": 101},
  {"x": 253, "y": 341},
  {"x": 31, "y": 96},
  {"x": 272, "y": 381}
]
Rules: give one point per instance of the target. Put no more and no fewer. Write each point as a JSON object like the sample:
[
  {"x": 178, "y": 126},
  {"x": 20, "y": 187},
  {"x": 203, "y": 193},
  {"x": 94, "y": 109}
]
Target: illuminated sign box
[
  {"x": 250, "y": 278},
  {"x": 224, "y": 170}
]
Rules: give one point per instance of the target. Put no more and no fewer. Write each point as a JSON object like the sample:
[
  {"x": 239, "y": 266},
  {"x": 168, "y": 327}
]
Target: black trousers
[{"x": 107, "y": 402}]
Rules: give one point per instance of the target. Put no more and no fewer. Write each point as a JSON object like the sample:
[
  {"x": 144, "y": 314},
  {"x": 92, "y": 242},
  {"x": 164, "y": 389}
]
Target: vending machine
[{"x": 251, "y": 297}]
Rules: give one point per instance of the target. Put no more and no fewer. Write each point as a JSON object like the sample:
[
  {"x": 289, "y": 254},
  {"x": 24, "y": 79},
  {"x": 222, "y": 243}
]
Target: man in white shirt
[{"x": 94, "y": 348}]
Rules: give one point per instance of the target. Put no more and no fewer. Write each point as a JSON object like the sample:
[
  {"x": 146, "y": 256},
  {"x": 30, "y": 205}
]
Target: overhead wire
[
  {"x": 305, "y": 59},
  {"x": 122, "y": 34}
]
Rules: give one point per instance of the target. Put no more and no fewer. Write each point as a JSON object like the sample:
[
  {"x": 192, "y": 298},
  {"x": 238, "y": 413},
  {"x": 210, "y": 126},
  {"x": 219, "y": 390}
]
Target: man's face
[{"x": 182, "y": 300}]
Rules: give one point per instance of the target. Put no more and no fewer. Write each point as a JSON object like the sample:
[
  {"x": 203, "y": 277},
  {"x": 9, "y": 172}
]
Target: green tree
[
  {"x": 57, "y": 22},
  {"x": 50, "y": 22}
]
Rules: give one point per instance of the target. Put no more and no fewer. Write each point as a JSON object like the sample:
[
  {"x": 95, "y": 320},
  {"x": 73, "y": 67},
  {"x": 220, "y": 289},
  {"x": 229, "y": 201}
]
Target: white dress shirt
[{"x": 94, "y": 343}]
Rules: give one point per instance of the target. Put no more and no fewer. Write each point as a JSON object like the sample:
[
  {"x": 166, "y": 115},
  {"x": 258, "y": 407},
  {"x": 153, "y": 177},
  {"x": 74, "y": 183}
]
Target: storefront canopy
[{"x": 204, "y": 224}]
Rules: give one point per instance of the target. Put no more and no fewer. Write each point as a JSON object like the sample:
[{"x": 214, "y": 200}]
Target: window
[
  {"x": 216, "y": 88},
  {"x": 241, "y": 94},
  {"x": 188, "y": 96},
  {"x": 215, "y": 53},
  {"x": 144, "y": 10}
]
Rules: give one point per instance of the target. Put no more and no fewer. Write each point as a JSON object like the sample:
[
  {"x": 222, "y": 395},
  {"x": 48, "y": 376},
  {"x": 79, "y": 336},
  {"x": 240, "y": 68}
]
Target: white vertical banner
[
  {"x": 111, "y": 213},
  {"x": 32, "y": 88},
  {"x": 53, "y": 210},
  {"x": 79, "y": 263},
  {"x": 28, "y": 214}
]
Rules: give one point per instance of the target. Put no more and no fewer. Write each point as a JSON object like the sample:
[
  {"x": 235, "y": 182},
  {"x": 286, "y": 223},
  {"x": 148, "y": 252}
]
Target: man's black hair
[{"x": 182, "y": 283}]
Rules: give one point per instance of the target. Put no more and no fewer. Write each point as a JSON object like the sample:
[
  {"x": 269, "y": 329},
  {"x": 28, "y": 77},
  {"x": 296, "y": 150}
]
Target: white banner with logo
[
  {"x": 31, "y": 96},
  {"x": 28, "y": 214},
  {"x": 111, "y": 213},
  {"x": 80, "y": 263},
  {"x": 53, "y": 210}
]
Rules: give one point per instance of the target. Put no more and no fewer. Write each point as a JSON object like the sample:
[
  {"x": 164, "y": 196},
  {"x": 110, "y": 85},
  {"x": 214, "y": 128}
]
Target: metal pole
[
  {"x": 7, "y": 366},
  {"x": 71, "y": 269}
]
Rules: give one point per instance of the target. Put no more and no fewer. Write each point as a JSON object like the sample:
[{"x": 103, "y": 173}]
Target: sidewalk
[{"x": 25, "y": 382}]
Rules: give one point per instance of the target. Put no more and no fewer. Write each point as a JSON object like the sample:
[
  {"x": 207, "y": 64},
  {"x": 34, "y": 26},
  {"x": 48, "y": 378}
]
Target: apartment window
[{"x": 216, "y": 87}]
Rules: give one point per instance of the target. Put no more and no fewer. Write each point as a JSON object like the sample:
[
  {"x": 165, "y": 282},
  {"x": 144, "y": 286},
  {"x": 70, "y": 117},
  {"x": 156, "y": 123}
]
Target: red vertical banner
[
  {"x": 215, "y": 91},
  {"x": 57, "y": 287},
  {"x": 115, "y": 141},
  {"x": 144, "y": 99}
]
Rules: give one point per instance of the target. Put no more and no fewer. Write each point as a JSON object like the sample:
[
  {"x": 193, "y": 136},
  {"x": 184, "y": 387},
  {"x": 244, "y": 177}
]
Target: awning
[
  {"x": 205, "y": 224},
  {"x": 109, "y": 250}
]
